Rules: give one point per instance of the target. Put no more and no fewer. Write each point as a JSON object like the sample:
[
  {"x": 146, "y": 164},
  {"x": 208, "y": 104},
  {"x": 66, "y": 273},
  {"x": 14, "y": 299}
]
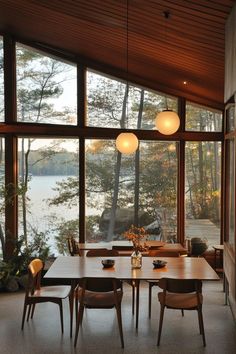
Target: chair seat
[
  {"x": 180, "y": 301},
  {"x": 100, "y": 300},
  {"x": 58, "y": 291}
]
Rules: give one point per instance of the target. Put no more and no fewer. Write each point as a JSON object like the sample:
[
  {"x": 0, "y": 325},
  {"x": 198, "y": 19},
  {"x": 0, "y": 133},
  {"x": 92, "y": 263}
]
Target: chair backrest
[
  {"x": 100, "y": 284},
  {"x": 122, "y": 248},
  {"x": 160, "y": 253},
  {"x": 102, "y": 252},
  {"x": 73, "y": 246},
  {"x": 34, "y": 269},
  {"x": 180, "y": 285}
]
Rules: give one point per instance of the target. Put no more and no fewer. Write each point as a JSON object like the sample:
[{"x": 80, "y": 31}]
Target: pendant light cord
[
  {"x": 127, "y": 58},
  {"x": 166, "y": 15}
]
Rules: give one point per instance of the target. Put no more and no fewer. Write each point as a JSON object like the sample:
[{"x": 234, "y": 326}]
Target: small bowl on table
[
  {"x": 158, "y": 263},
  {"x": 108, "y": 263}
]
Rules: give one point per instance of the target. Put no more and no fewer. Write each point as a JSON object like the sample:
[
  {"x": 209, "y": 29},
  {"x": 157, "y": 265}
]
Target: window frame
[{"x": 11, "y": 129}]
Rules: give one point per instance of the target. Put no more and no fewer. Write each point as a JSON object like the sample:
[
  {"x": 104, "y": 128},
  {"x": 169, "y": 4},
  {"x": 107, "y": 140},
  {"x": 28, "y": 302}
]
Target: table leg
[
  {"x": 137, "y": 302},
  {"x": 71, "y": 301}
]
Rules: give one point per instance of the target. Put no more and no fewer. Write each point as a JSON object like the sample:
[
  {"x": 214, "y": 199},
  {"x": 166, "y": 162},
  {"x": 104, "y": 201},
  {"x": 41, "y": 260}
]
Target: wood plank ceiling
[{"x": 182, "y": 55}]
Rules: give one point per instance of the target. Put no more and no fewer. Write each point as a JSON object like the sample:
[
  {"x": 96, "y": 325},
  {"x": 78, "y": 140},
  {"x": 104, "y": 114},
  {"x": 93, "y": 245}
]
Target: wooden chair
[
  {"x": 99, "y": 293},
  {"x": 36, "y": 294},
  {"x": 104, "y": 252},
  {"x": 157, "y": 253},
  {"x": 184, "y": 294},
  {"x": 73, "y": 247}
]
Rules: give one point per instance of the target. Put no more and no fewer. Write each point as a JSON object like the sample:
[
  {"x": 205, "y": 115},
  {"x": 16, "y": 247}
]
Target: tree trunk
[
  {"x": 110, "y": 231},
  {"x": 137, "y": 163},
  {"x": 25, "y": 175},
  {"x": 111, "y": 226},
  {"x": 2, "y": 242}
]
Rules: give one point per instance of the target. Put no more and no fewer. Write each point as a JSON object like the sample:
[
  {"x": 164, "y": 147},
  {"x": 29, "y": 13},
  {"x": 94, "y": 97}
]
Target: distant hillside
[{"x": 58, "y": 164}]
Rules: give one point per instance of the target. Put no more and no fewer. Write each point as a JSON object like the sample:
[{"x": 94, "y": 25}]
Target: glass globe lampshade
[
  {"x": 127, "y": 143},
  {"x": 167, "y": 122}
]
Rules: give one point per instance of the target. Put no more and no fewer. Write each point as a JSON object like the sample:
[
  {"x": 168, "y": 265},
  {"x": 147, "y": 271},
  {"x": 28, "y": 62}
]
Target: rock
[{"x": 124, "y": 218}]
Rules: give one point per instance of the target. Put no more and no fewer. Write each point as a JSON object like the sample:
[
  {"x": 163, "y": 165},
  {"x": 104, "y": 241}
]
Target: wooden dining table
[{"x": 75, "y": 268}]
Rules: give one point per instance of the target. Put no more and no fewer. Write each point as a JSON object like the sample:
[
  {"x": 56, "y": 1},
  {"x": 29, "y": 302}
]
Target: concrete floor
[{"x": 100, "y": 331}]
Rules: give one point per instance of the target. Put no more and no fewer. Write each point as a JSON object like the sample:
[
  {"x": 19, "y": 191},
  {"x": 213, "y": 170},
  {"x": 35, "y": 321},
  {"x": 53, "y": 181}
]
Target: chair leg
[
  {"x": 32, "y": 311},
  {"x": 201, "y": 325},
  {"x": 199, "y": 321},
  {"x": 76, "y": 332},
  {"x": 182, "y": 311},
  {"x": 118, "y": 312},
  {"x": 61, "y": 315},
  {"x": 23, "y": 316},
  {"x": 150, "y": 300},
  {"x": 160, "y": 324},
  {"x": 81, "y": 314},
  {"x": 78, "y": 322},
  {"x": 28, "y": 312},
  {"x": 76, "y": 310}
]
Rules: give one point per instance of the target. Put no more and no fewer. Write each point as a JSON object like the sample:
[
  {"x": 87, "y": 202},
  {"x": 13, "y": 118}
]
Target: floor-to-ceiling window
[
  {"x": 230, "y": 178},
  {"x": 203, "y": 190},
  {"x": 2, "y": 194},
  {"x": 1, "y": 82},
  {"x": 47, "y": 93},
  {"x": 73, "y": 175},
  {"x": 2, "y": 148}
]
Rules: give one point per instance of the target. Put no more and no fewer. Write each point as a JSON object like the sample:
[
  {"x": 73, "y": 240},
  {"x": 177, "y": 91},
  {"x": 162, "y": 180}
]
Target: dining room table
[{"x": 73, "y": 269}]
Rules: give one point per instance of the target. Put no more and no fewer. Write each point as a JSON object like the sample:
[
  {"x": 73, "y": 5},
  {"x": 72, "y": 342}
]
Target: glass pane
[
  {"x": 202, "y": 119},
  {"x": 107, "y": 107},
  {"x": 48, "y": 191},
  {"x": 202, "y": 191},
  {"x": 1, "y": 82},
  {"x": 46, "y": 88},
  {"x": 231, "y": 192},
  {"x": 2, "y": 191},
  {"x": 121, "y": 190},
  {"x": 230, "y": 119}
]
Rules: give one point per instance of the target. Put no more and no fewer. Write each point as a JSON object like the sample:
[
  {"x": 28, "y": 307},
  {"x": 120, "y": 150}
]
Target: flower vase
[{"x": 136, "y": 260}]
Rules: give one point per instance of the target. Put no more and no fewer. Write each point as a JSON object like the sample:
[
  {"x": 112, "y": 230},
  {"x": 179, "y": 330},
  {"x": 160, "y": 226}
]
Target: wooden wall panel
[
  {"x": 230, "y": 55},
  {"x": 229, "y": 269}
]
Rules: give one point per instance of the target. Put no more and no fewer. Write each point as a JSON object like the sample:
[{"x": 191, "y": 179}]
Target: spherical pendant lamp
[
  {"x": 126, "y": 143},
  {"x": 167, "y": 122}
]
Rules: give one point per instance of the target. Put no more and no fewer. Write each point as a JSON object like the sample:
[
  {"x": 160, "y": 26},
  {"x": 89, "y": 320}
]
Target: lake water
[{"x": 40, "y": 190}]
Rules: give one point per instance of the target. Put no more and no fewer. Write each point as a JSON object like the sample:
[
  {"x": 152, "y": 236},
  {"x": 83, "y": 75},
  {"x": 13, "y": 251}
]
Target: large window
[
  {"x": 48, "y": 191},
  {"x": 46, "y": 88},
  {"x": 1, "y": 82},
  {"x": 59, "y": 184},
  {"x": 138, "y": 189},
  {"x": 113, "y": 104},
  {"x": 2, "y": 192},
  {"x": 202, "y": 190}
]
